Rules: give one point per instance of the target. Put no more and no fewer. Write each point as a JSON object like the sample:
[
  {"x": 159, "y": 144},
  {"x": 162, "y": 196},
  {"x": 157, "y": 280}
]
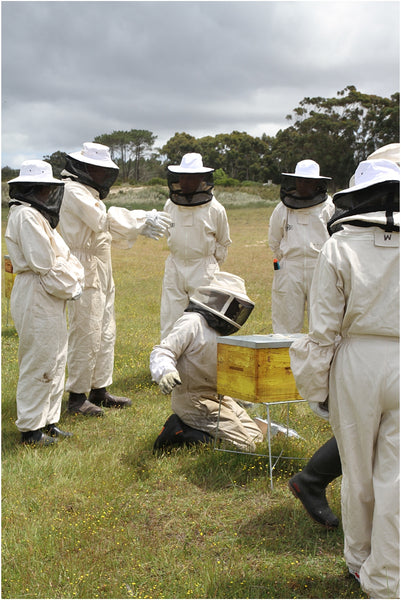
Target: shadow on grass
[
  {"x": 288, "y": 585},
  {"x": 214, "y": 469},
  {"x": 208, "y": 468},
  {"x": 284, "y": 525},
  {"x": 10, "y": 441}
]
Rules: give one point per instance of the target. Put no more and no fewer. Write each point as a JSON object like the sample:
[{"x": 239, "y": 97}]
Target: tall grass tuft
[{"x": 101, "y": 516}]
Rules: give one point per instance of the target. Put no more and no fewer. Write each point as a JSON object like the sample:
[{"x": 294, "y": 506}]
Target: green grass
[{"x": 100, "y": 516}]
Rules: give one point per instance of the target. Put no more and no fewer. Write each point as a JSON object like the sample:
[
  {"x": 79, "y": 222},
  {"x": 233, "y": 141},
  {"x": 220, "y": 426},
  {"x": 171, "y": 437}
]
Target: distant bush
[
  {"x": 248, "y": 195},
  {"x": 156, "y": 181},
  {"x": 145, "y": 197},
  {"x": 239, "y": 195},
  {"x": 250, "y": 183},
  {"x": 221, "y": 178}
]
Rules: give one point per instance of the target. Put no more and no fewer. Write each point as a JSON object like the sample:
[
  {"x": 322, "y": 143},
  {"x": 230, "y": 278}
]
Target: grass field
[{"x": 100, "y": 516}]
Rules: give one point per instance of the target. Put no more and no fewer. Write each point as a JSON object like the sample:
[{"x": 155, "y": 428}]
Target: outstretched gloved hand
[
  {"x": 156, "y": 225},
  {"x": 169, "y": 381}
]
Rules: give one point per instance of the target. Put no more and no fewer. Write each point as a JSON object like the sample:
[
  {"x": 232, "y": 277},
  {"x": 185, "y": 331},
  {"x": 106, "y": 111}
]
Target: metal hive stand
[
  {"x": 256, "y": 368},
  {"x": 273, "y": 459}
]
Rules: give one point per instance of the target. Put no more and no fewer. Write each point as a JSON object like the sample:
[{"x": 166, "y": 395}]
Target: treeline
[{"x": 336, "y": 132}]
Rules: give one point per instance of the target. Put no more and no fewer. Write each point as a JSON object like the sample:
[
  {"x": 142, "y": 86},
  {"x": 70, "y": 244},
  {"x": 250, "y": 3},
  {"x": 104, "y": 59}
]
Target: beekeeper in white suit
[
  {"x": 185, "y": 362},
  {"x": 89, "y": 229},
  {"x": 351, "y": 358},
  {"x": 47, "y": 275},
  {"x": 297, "y": 232},
  {"x": 198, "y": 238},
  {"x": 309, "y": 485}
]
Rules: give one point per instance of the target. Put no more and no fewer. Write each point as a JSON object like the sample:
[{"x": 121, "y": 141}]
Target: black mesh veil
[
  {"x": 97, "y": 177},
  {"x": 228, "y": 312},
  {"x": 202, "y": 195},
  {"x": 292, "y": 198},
  {"x": 382, "y": 197},
  {"x": 45, "y": 197}
]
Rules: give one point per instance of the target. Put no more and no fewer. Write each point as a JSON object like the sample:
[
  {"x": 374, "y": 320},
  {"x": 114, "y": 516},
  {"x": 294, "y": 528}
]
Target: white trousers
[
  {"x": 181, "y": 278},
  {"x": 40, "y": 321},
  {"x": 91, "y": 340},
  {"x": 235, "y": 425},
  {"x": 290, "y": 295},
  {"x": 364, "y": 415}
]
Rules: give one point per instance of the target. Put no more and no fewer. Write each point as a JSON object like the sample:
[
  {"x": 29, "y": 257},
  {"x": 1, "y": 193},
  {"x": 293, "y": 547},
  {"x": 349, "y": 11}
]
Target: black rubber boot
[
  {"x": 37, "y": 438},
  {"x": 54, "y": 431},
  {"x": 101, "y": 397},
  {"x": 78, "y": 404},
  {"x": 309, "y": 485}
]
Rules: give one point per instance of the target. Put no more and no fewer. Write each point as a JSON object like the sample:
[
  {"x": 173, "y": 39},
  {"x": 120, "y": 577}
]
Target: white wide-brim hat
[
  {"x": 35, "y": 171},
  {"x": 190, "y": 163},
  {"x": 372, "y": 172},
  {"x": 95, "y": 154},
  {"x": 307, "y": 169},
  {"x": 389, "y": 152},
  {"x": 230, "y": 284}
]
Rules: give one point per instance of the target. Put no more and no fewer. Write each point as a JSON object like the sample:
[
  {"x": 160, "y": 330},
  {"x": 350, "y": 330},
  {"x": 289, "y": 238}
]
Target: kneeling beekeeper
[
  {"x": 47, "y": 276},
  {"x": 185, "y": 363}
]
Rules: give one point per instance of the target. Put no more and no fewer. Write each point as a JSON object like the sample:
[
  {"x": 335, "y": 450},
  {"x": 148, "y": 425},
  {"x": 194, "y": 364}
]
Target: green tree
[
  {"x": 337, "y": 132},
  {"x": 141, "y": 142},
  {"x": 119, "y": 144},
  {"x": 8, "y": 173},
  {"x": 177, "y": 146},
  {"x": 57, "y": 161},
  {"x": 240, "y": 155},
  {"x": 128, "y": 149}
]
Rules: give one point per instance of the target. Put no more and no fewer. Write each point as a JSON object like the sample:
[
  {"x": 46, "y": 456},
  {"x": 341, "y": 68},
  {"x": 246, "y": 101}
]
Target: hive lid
[{"x": 272, "y": 340}]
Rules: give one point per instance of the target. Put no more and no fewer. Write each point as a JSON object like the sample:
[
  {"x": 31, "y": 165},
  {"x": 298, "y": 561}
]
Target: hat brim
[
  {"x": 33, "y": 179},
  {"x": 179, "y": 169},
  {"x": 107, "y": 164},
  {"x": 366, "y": 184},
  {"x": 225, "y": 290},
  {"x": 306, "y": 176}
]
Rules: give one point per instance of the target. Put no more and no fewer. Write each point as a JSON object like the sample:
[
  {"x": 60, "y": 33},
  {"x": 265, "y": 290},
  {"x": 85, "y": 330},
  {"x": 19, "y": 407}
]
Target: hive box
[
  {"x": 256, "y": 368},
  {"x": 9, "y": 276}
]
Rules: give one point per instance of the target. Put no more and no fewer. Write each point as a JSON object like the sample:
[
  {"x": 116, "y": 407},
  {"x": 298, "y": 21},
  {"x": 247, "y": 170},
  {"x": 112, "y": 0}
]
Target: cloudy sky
[{"x": 74, "y": 70}]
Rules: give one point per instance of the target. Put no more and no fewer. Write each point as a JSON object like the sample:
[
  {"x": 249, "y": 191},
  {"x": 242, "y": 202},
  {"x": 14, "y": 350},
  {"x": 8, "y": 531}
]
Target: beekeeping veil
[
  {"x": 191, "y": 164},
  {"x": 92, "y": 166},
  {"x": 37, "y": 187},
  {"x": 304, "y": 188},
  {"x": 373, "y": 200},
  {"x": 223, "y": 302}
]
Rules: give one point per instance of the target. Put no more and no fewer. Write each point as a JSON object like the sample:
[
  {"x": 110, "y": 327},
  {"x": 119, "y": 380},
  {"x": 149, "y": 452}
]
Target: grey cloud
[{"x": 73, "y": 70}]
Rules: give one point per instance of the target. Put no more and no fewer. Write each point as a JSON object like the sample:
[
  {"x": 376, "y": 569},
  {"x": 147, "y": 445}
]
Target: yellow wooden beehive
[
  {"x": 9, "y": 276},
  {"x": 256, "y": 368}
]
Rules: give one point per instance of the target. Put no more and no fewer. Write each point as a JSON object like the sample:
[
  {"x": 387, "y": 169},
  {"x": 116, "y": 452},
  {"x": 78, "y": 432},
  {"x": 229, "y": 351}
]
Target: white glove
[
  {"x": 156, "y": 224},
  {"x": 78, "y": 294},
  {"x": 169, "y": 381}
]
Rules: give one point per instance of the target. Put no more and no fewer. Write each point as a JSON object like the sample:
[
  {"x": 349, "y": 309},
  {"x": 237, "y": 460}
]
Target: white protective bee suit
[
  {"x": 89, "y": 230},
  {"x": 47, "y": 275},
  {"x": 198, "y": 241},
  {"x": 296, "y": 236},
  {"x": 351, "y": 356},
  {"x": 190, "y": 352}
]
